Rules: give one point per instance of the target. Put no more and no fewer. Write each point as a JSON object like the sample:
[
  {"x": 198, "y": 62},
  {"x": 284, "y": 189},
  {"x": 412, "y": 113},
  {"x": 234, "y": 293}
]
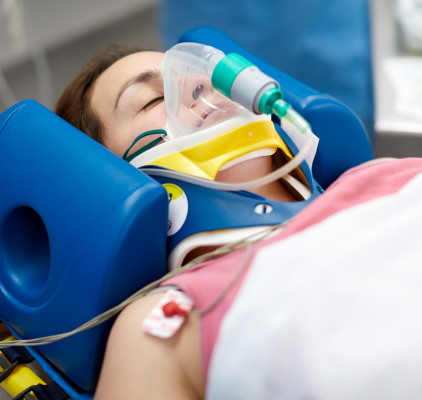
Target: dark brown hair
[{"x": 74, "y": 105}]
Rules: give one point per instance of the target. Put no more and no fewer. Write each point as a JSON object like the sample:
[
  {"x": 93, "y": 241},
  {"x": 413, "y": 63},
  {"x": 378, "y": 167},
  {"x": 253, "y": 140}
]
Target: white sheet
[{"x": 333, "y": 312}]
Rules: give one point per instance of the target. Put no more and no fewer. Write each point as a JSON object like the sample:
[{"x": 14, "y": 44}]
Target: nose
[
  {"x": 204, "y": 96},
  {"x": 197, "y": 91}
]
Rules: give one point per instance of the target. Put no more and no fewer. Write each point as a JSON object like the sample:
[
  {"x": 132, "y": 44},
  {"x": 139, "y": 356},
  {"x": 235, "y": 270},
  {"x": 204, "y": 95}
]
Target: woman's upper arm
[{"x": 138, "y": 365}]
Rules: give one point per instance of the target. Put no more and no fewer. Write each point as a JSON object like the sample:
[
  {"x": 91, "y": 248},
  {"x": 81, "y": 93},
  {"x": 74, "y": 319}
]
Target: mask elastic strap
[{"x": 146, "y": 147}]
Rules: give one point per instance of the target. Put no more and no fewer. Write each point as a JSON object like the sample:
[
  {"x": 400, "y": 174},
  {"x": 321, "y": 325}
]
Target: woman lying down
[{"x": 327, "y": 308}]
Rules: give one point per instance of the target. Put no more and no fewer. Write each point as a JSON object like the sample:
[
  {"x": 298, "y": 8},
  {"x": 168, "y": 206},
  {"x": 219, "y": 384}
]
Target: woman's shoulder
[{"x": 143, "y": 361}]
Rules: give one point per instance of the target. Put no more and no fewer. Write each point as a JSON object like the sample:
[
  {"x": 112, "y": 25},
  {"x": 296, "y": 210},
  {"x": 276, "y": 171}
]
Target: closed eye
[{"x": 153, "y": 102}]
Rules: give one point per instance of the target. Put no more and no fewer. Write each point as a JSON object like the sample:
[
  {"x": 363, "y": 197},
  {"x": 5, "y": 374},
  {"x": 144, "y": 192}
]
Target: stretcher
[{"x": 81, "y": 229}]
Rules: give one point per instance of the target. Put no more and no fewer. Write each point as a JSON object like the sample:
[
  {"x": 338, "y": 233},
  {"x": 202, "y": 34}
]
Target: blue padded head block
[
  {"x": 344, "y": 142},
  {"x": 80, "y": 230}
]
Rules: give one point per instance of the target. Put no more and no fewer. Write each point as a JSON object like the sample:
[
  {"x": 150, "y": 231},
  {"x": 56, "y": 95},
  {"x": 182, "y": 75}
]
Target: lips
[{"x": 215, "y": 114}]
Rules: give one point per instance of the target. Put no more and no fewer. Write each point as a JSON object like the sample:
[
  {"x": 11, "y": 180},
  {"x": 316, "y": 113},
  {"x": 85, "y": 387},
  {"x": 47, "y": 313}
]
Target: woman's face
[{"x": 128, "y": 98}]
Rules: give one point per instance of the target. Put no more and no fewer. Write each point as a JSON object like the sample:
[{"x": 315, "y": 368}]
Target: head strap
[{"x": 146, "y": 147}]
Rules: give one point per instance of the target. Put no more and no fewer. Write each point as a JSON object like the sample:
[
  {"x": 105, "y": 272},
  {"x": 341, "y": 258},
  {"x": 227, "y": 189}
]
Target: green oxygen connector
[
  {"x": 243, "y": 82},
  {"x": 246, "y": 84}
]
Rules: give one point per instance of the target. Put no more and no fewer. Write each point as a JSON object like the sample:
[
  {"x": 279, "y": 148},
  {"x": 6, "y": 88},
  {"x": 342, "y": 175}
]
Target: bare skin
[
  {"x": 128, "y": 98},
  {"x": 138, "y": 365},
  {"x": 253, "y": 169}
]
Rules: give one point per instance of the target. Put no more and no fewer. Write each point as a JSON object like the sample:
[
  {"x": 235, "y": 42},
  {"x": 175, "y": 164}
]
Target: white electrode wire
[
  {"x": 273, "y": 176},
  {"x": 223, "y": 250}
]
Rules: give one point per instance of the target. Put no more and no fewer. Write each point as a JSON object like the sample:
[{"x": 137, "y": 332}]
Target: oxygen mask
[
  {"x": 206, "y": 131},
  {"x": 192, "y": 103}
]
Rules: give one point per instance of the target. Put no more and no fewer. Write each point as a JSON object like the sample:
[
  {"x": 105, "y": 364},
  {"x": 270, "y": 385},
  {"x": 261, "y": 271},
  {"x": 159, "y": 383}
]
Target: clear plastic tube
[{"x": 297, "y": 123}]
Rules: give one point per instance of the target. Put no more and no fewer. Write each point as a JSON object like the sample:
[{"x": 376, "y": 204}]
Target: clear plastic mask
[{"x": 192, "y": 104}]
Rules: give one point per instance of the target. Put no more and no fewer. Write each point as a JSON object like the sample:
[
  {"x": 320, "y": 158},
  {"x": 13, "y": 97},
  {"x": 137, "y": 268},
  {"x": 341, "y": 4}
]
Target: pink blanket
[{"x": 332, "y": 311}]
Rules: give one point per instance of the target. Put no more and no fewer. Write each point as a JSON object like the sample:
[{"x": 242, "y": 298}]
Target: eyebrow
[{"x": 144, "y": 77}]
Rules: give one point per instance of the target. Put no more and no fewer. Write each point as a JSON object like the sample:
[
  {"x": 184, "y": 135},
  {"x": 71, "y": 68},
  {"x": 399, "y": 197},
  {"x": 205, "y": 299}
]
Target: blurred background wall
[
  {"x": 58, "y": 37},
  {"x": 67, "y": 34}
]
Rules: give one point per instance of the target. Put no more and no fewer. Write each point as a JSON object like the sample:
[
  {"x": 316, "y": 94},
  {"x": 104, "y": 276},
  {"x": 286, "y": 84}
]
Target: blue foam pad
[{"x": 80, "y": 230}]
